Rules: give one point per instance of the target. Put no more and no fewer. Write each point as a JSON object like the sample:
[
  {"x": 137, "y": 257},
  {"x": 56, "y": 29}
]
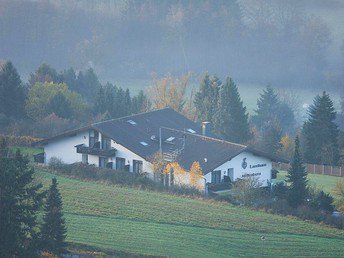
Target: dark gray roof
[
  {"x": 208, "y": 151},
  {"x": 146, "y": 125}
]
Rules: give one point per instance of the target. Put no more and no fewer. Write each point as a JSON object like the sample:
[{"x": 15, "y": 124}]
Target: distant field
[
  {"x": 322, "y": 182},
  {"x": 123, "y": 219}
]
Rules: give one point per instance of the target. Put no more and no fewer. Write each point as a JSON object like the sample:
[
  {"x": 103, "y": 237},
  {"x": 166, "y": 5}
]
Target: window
[
  {"x": 131, "y": 122},
  {"x": 106, "y": 143},
  {"x": 190, "y": 130},
  {"x": 230, "y": 173},
  {"x": 102, "y": 162},
  {"x": 144, "y": 143},
  {"x": 120, "y": 163},
  {"x": 84, "y": 158},
  {"x": 93, "y": 138},
  {"x": 170, "y": 139},
  {"x": 216, "y": 177},
  {"x": 137, "y": 166}
]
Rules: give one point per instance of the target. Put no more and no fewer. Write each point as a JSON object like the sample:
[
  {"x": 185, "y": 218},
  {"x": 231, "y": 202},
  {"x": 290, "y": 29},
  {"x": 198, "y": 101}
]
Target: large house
[{"x": 129, "y": 143}]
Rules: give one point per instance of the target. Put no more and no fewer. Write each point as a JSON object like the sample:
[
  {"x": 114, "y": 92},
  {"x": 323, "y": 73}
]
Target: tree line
[{"x": 57, "y": 101}]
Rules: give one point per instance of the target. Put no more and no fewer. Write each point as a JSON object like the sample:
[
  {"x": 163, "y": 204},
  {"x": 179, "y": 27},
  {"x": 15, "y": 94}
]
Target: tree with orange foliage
[
  {"x": 170, "y": 92},
  {"x": 196, "y": 174}
]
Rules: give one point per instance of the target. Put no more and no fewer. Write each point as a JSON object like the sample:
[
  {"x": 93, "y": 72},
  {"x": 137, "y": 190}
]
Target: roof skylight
[
  {"x": 144, "y": 143},
  {"x": 170, "y": 139},
  {"x": 190, "y": 130},
  {"x": 132, "y": 122}
]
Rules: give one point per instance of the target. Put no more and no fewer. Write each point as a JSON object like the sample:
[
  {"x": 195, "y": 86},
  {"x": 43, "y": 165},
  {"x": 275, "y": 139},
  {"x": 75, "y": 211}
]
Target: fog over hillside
[{"x": 285, "y": 43}]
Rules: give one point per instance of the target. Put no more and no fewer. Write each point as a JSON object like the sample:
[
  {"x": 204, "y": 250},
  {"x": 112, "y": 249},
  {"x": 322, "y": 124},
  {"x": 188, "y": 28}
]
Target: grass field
[
  {"x": 115, "y": 218},
  {"x": 322, "y": 182},
  {"x": 29, "y": 151}
]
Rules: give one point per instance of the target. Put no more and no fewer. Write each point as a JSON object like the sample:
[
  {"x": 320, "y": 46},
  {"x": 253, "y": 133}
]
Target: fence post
[
  {"x": 340, "y": 171},
  {"x": 313, "y": 168},
  {"x": 331, "y": 170},
  {"x": 323, "y": 170}
]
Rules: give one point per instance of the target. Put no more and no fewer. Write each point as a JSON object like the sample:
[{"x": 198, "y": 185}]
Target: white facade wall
[
  {"x": 129, "y": 156},
  {"x": 257, "y": 166},
  {"x": 63, "y": 148}
]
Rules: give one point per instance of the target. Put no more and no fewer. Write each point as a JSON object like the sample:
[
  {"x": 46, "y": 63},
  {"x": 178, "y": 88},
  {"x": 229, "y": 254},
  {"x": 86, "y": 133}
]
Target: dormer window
[{"x": 93, "y": 138}]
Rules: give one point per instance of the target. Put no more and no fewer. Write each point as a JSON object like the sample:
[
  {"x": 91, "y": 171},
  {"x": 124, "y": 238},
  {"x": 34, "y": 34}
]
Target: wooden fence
[{"x": 315, "y": 169}]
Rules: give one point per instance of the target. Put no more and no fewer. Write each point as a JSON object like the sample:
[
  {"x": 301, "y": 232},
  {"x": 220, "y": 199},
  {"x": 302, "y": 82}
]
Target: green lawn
[
  {"x": 29, "y": 151},
  {"x": 322, "y": 182},
  {"x": 129, "y": 220}
]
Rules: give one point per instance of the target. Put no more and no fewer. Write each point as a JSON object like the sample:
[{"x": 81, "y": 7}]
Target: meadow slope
[{"x": 116, "y": 218}]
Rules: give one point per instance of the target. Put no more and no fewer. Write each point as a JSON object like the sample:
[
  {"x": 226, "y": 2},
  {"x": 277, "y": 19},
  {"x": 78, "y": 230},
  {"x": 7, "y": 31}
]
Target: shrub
[
  {"x": 279, "y": 190},
  {"x": 56, "y": 163},
  {"x": 13, "y": 140}
]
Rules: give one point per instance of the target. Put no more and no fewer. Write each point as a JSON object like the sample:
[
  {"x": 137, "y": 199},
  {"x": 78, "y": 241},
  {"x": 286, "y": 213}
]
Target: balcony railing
[{"x": 95, "y": 151}]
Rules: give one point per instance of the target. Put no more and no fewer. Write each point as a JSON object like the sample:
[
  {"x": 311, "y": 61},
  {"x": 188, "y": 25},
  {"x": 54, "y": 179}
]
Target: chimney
[{"x": 205, "y": 128}]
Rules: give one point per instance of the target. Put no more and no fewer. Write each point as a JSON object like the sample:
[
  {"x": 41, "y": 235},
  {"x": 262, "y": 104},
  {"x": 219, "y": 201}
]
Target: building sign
[
  {"x": 258, "y": 166},
  {"x": 244, "y": 163},
  {"x": 252, "y": 174}
]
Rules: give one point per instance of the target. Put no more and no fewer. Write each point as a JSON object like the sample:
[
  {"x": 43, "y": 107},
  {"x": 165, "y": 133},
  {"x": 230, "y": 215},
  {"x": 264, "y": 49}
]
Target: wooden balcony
[{"x": 95, "y": 151}]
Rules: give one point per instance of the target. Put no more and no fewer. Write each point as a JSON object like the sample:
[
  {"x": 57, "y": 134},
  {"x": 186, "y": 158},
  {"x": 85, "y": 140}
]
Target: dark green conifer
[
  {"x": 231, "y": 121},
  {"x": 320, "y": 132},
  {"x": 297, "y": 177},
  {"x": 53, "y": 230}
]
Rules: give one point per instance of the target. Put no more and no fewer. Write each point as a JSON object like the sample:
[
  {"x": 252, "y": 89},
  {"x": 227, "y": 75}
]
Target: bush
[
  {"x": 25, "y": 141},
  {"x": 56, "y": 163},
  {"x": 279, "y": 190}
]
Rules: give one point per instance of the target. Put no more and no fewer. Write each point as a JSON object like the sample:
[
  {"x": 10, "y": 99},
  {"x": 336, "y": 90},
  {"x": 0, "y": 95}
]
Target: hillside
[{"x": 115, "y": 218}]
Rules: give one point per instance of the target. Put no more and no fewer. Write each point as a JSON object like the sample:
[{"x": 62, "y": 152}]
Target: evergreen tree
[
  {"x": 206, "y": 98},
  {"x": 297, "y": 177},
  {"x": 139, "y": 103},
  {"x": 88, "y": 84},
  {"x": 44, "y": 74},
  {"x": 268, "y": 104},
  {"x": 320, "y": 133},
  {"x": 61, "y": 106},
  {"x": 53, "y": 229},
  {"x": 231, "y": 121},
  {"x": 100, "y": 103},
  {"x": 12, "y": 93},
  {"x": 127, "y": 103},
  {"x": 271, "y": 109},
  {"x": 69, "y": 78},
  {"x": 270, "y": 137},
  {"x": 20, "y": 200}
]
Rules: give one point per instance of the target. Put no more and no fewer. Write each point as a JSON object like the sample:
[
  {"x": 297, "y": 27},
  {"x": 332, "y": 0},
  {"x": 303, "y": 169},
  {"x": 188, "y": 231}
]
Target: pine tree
[
  {"x": 127, "y": 103},
  {"x": 270, "y": 137},
  {"x": 100, "y": 103},
  {"x": 12, "y": 93},
  {"x": 61, "y": 106},
  {"x": 20, "y": 201},
  {"x": 53, "y": 229},
  {"x": 44, "y": 74},
  {"x": 271, "y": 109},
  {"x": 320, "y": 133},
  {"x": 297, "y": 177},
  {"x": 268, "y": 104},
  {"x": 206, "y": 98},
  {"x": 231, "y": 121}
]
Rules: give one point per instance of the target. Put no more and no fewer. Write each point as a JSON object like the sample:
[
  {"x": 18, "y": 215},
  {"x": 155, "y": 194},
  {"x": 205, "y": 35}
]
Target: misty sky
[{"x": 286, "y": 43}]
